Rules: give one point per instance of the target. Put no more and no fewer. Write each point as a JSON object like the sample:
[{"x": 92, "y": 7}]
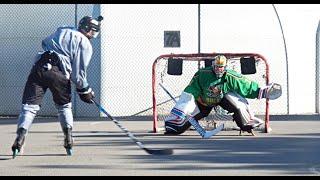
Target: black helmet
[{"x": 88, "y": 23}]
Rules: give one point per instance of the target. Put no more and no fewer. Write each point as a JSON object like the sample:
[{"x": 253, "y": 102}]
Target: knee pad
[{"x": 27, "y": 114}]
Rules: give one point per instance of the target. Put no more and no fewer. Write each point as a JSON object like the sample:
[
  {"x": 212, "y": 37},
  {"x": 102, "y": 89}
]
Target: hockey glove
[
  {"x": 86, "y": 94},
  {"x": 271, "y": 91}
]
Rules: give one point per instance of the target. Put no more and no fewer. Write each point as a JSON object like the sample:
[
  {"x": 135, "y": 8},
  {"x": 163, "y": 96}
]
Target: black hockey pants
[{"x": 41, "y": 78}]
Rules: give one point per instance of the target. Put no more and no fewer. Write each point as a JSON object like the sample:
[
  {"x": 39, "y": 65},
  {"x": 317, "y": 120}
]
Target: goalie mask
[
  {"x": 219, "y": 65},
  {"x": 88, "y": 23}
]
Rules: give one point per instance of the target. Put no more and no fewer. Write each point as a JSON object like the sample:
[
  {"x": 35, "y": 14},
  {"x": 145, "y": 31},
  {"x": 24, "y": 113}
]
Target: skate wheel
[
  {"x": 69, "y": 152},
  {"x": 15, "y": 153}
]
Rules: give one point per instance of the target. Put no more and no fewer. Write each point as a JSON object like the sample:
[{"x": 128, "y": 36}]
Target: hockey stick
[
  {"x": 169, "y": 94},
  {"x": 204, "y": 134},
  {"x": 132, "y": 137}
]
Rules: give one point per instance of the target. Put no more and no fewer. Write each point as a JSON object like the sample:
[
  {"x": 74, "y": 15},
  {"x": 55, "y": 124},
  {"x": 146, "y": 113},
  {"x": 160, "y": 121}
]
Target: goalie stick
[
  {"x": 169, "y": 94},
  {"x": 132, "y": 137},
  {"x": 204, "y": 134}
]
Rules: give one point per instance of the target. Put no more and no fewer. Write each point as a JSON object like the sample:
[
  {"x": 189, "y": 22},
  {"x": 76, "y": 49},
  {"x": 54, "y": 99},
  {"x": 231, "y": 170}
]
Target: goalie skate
[{"x": 255, "y": 123}]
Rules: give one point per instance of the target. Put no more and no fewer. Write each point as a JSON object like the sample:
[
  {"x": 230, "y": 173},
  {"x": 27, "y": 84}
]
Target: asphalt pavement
[{"x": 102, "y": 149}]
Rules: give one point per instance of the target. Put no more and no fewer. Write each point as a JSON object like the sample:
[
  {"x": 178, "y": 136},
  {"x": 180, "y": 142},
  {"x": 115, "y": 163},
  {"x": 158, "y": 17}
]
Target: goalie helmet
[
  {"x": 88, "y": 23},
  {"x": 219, "y": 65}
]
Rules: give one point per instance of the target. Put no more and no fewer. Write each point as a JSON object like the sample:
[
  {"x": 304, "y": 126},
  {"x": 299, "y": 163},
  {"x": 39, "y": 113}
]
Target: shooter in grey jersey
[{"x": 65, "y": 57}]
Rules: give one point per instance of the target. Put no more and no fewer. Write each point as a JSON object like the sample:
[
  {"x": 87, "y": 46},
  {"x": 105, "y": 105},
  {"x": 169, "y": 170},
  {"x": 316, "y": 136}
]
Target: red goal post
[{"x": 162, "y": 103}]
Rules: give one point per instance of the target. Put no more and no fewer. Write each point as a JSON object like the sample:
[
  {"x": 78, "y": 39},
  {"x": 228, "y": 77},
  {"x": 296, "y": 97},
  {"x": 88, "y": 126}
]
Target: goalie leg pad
[
  {"x": 175, "y": 125},
  {"x": 186, "y": 104},
  {"x": 243, "y": 116},
  {"x": 177, "y": 122}
]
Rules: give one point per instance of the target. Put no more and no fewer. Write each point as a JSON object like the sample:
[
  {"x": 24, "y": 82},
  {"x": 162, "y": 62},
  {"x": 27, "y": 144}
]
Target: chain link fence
[
  {"x": 23, "y": 27},
  {"x": 132, "y": 38}
]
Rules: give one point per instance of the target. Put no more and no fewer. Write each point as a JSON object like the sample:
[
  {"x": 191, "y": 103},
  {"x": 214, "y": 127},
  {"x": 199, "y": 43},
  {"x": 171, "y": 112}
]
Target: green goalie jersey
[{"x": 208, "y": 89}]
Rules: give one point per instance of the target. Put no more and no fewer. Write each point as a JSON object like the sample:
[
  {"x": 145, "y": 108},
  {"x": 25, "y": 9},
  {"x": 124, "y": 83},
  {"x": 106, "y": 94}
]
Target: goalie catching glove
[
  {"x": 86, "y": 94},
  {"x": 271, "y": 91}
]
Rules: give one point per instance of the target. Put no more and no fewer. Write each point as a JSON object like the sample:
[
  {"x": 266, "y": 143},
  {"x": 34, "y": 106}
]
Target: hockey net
[{"x": 191, "y": 63}]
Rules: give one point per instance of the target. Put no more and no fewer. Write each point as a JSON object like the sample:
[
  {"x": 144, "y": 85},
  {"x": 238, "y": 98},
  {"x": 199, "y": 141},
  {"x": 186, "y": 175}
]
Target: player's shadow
[{"x": 9, "y": 157}]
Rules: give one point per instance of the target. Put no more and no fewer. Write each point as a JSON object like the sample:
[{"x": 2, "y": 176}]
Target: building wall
[
  {"x": 132, "y": 38},
  {"x": 300, "y": 23}
]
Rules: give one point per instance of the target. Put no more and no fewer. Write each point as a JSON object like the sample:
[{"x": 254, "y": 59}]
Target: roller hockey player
[
  {"x": 213, "y": 86},
  {"x": 66, "y": 56}
]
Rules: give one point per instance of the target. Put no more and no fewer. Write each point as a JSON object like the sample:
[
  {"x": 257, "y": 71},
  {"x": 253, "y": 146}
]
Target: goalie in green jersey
[{"x": 213, "y": 86}]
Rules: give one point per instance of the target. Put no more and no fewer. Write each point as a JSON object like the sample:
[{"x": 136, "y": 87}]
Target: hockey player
[
  {"x": 213, "y": 86},
  {"x": 66, "y": 56}
]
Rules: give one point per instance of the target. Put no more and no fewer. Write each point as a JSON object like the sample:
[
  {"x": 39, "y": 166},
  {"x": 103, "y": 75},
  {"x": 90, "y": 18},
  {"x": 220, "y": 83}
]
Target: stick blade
[
  {"x": 213, "y": 132},
  {"x": 159, "y": 151}
]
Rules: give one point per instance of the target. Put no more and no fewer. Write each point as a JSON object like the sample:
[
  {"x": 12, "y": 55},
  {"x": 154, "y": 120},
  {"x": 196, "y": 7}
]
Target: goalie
[{"x": 213, "y": 86}]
